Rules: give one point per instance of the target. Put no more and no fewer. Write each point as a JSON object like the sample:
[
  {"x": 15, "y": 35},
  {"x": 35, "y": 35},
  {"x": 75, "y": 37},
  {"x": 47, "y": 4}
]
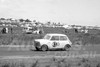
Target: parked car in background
[
  {"x": 28, "y": 30},
  {"x": 53, "y": 41}
]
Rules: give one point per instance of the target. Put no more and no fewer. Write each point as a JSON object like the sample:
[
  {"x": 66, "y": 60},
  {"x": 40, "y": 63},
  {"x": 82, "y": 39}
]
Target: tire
[
  {"x": 44, "y": 47},
  {"x": 37, "y": 49},
  {"x": 67, "y": 47}
]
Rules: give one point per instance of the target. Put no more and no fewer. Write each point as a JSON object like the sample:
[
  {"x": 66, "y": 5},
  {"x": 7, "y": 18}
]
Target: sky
[{"x": 78, "y": 12}]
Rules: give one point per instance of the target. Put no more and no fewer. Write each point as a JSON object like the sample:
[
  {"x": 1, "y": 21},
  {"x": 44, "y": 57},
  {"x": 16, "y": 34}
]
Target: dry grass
[
  {"x": 82, "y": 62},
  {"x": 92, "y": 37}
]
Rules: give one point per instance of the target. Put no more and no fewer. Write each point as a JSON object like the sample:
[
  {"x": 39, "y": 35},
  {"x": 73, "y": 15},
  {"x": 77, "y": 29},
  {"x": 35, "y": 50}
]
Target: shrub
[
  {"x": 47, "y": 66},
  {"x": 87, "y": 34},
  {"x": 22, "y": 65},
  {"x": 98, "y": 65},
  {"x": 35, "y": 64},
  {"x": 84, "y": 60},
  {"x": 87, "y": 65},
  {"x": 54, "y": 59},
  {"x": 63, "y": 63},
  {"x": 14, "y": 65},
  {"x": 6, "y": 65},
  {"x": 68, "y": 65},
  {"x": 79, "y": 64}
]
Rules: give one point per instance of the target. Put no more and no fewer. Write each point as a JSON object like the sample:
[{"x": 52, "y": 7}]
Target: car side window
[
  {"x": 55, "y": 38},
  {"x": 63, "y": 38}
]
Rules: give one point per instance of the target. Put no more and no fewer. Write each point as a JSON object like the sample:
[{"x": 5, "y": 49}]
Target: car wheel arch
[{"x": 44, "y": 45}]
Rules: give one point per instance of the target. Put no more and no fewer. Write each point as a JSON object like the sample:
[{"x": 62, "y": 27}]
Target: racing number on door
[{"x": 55, "y": 44}]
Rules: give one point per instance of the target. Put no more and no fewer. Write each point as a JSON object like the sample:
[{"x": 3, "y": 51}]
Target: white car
[
  {"x": 53, "y": 41},
  {"x": 28, "y": 30}
]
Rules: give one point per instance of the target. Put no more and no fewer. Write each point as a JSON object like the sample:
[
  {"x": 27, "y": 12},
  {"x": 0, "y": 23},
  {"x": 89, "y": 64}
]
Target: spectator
[
  {"x": 65, "y": 31},
  {"x": 11, "y": 30},
  {"x": 4, "y": 30},
  {"x": 76, "y": 31},
  {"x": 40, "y": 32}
]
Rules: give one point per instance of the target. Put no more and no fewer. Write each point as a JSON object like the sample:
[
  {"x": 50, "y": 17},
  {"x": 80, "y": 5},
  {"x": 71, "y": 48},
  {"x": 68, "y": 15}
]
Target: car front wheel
[
  {"x": 67, "y": 47},
  {"x": 44, "y": 47},
  {"x": 37, "y": 49}
]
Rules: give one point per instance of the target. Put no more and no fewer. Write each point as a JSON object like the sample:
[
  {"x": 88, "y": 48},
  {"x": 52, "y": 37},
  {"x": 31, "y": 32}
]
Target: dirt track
[
  {"x": 16, "y": 51},
  {"x": 27, "y": 57}
]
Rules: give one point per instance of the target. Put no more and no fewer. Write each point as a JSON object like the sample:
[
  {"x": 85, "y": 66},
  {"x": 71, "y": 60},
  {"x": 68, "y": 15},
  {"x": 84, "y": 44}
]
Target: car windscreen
[{"x": 47, "y": 37}]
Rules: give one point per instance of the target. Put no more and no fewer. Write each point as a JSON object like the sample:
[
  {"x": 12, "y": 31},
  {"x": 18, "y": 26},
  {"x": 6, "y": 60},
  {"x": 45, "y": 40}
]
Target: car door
[
  {"x": 63, "y": 41},
  {"x": 55, "y": 42}
]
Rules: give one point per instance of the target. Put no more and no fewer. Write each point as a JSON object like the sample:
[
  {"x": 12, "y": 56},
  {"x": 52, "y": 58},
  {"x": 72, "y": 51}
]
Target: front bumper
[{"x": 37, "y": 44}]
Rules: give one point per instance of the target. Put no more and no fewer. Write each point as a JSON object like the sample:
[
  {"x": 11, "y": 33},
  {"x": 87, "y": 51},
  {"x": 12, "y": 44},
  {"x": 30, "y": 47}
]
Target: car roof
[{"x": 56, "y": 34}]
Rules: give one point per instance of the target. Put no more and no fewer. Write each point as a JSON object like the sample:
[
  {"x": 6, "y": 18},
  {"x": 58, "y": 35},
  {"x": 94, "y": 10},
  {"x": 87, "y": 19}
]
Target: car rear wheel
[
  {"x": 44, "y": 47},
  {"x": 67, "y": 47}
]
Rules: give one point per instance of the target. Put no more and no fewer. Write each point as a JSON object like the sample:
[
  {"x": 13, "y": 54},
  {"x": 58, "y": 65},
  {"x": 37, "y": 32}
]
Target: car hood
[{"x": 41, "y": 40}]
